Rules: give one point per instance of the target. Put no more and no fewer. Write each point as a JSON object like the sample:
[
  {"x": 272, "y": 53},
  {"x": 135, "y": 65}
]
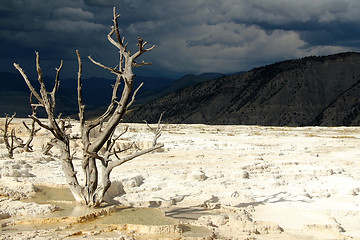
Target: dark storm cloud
[
  {"x": 54, "y": 28},
  {"x": 191, "y": 36},
  {"x": 322, "y": 22}
]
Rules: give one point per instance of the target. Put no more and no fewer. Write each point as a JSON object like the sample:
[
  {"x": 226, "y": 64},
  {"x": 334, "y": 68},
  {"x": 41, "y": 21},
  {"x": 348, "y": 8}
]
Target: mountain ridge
[
  {"x": 314, "y": 90},
  {"x": 96, "y": 92}
]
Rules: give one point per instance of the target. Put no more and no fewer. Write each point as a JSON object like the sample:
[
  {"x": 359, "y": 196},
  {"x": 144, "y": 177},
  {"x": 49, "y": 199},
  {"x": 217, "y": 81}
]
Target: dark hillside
[{"x": 308, "y": 91}]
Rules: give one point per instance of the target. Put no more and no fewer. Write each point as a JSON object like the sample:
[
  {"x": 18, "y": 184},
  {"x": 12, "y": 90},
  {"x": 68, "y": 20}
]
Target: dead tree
[
  {"x": 11, "y": 141},
  {"x": 91, "y": 192}
]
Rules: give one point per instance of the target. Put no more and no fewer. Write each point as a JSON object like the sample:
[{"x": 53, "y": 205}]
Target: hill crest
[{"x": 313, "y": 90}]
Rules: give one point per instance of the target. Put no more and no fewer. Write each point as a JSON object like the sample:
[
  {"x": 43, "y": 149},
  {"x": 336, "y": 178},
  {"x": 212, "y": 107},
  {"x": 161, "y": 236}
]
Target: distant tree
[
  {"x": 10, "y": 140},
  {"x": 92, "y": 191},
  {"x": 13, "y": 142}
]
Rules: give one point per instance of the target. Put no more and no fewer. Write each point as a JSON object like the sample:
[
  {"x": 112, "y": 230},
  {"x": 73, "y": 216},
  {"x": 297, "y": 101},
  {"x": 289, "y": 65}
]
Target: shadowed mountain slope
[
  {"x": 14, "y": 94},
  {"x": 308, "y": 91},
  {"x": 185, "y": 81}
]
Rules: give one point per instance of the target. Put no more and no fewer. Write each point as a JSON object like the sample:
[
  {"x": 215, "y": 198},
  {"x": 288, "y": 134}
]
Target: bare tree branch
[
  {"x": 32, "y": 89},
  {"x": 141, "y": 44},
  {"x": 56, "y": 85},
  {"x": 32, "y": 132},
  {"x": 112, "y": 141},
  {"x": 134, "y": 95},
  {"x": 112, "y": 70},
  {"x": 79, "y": 91},
  {"x": 140, "y": 64},
  {"x": 114, "y": 164}
]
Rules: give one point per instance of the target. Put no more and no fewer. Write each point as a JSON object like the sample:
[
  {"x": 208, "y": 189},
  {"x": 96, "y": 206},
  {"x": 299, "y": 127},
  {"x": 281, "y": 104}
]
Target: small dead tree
[
  {"x": 92, "y": 191},
  {"x": 10, "y": 140},
  {"x": 13, "y": 142}
]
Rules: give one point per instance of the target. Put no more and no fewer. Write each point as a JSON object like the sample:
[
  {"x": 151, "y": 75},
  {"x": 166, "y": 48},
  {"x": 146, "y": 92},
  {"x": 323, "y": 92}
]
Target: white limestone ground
[{"x": 264, "y": 182}]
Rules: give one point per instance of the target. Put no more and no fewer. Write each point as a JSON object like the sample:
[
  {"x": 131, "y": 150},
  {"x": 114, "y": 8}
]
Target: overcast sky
[{"x": 191, "y": 36}]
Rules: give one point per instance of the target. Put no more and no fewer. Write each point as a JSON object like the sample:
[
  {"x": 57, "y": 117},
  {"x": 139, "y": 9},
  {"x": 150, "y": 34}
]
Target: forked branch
[
  {"x": 48, "y": 103},
  {"x": 32, "y": 132},
  {"x": 155, "y": 146}
]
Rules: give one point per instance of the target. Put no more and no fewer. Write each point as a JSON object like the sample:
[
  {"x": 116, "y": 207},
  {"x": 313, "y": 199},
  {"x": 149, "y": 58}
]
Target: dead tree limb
[
  {"x": 31, "y": 130},
  {"x": 54, "y": 125}
]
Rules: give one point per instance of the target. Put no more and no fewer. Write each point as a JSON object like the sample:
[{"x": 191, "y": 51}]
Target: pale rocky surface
[{"x": 256, "y": 182}]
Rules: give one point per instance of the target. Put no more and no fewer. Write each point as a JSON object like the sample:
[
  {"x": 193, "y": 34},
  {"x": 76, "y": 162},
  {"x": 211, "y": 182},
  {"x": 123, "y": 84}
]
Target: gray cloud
[
  {"x": 101, "y": 3},
  {"x": 72, "y": 13},
  {"x": 69, "y": 26},
  {"x": 191, "y": 36}
]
